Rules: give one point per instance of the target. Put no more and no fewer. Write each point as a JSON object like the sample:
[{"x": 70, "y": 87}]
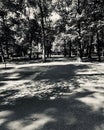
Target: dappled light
[
  {"x": 30, "y": 80},
  {"x": 95, "y": 101},
  {"x": 41, "y": 114},
  {"x": 66, "y": 96},
  {"x": 34, "y": 121},
  {"x": 51, "y": 64}
]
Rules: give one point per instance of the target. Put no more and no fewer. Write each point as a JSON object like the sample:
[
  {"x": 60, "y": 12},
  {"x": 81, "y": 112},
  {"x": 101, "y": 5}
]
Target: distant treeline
[{"x": 34, "y": 29}]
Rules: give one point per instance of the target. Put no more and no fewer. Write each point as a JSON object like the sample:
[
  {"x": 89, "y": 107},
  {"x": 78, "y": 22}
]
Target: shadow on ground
[
  {"x": 60, "y": 114},
  {"x": 7, "y": 68},
  {"x": 17, "y": 74},
  {"x": 43, "y": 111},
  {"x": 60, "y": 73}
]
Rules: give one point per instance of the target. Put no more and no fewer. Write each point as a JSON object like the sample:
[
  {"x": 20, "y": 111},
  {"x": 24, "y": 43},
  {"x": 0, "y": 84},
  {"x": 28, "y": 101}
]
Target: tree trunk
[
  {"x": 31, "y": 39},
  {"x": 98, "y": 48},
  {"x": 42, "y": 31},
  {"x": 7, "y": 47},
  {"x": 79, "y": 32},
  {"x": 2, "y": 53},
  {"x": 65, "y": 51},
  {"x": 79, "y": 41},
  {"x": 70, "y": 47},
  {"x": 90, "y": 47},
  {"x": 80, "y": 50}
]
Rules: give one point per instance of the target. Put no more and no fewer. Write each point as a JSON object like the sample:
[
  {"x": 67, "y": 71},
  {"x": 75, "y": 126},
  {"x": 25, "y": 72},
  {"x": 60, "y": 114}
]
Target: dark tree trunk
[
  {"x": 42, "y": 31},
  {"x": 79, "y": 40},
  {"x": 80, "y": 53},
  {"x": 2, "y": 53},
  {"x": 31, "y": 39},
  {"x": 65, "y": 51},
  {"x": 7, "y": 47},
  {"x": 80, "y": 50},
  {"x": 70, "y": 48},
  {"x": 90, "y": 47},
  {"x": 98, "y": 48}
]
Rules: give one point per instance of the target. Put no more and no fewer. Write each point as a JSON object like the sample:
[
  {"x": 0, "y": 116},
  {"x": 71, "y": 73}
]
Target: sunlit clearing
[
  {"x": 96, "y": 101},
  {"x": 101, "y": 127},
  {"x": 33, "y": 122},
  {"x": 54, "y": 1},
  {"x": 4, "y": 115},
  {"x": 14, "y": 76},
  {"x": 2, "y": 121}
]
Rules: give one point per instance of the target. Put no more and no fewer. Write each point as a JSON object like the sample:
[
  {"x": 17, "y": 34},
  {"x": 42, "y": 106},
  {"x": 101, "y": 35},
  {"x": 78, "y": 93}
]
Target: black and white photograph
[{"x": 51, "y": 64}]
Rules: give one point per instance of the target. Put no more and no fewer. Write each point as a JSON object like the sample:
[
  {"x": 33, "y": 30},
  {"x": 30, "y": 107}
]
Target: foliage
[{"x": 25, "y": 24}]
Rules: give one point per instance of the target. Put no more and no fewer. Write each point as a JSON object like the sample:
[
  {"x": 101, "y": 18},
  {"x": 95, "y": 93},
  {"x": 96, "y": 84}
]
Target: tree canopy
[{"x": 74, "y": 26}]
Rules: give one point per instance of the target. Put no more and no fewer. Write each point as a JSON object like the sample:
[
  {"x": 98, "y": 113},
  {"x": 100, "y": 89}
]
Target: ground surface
[{"x": 52, "y": 96}]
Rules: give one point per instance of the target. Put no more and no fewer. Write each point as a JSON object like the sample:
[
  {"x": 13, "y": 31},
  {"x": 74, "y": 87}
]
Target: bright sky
[{"x": 54, "y": 17}]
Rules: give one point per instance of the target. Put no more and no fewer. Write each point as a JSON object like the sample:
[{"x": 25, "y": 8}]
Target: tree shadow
[
  {"x": 58, "y": 72},
  {"x": 57, "y": 109},
  {"x": 61, "y": 79},
  {"x": 19, "y": 74},
  {"x": 7, "y": 68},
  {"x": 6, "y": 94},
  {"x": 59, "y": 114},
  {"x": 2, "y": 84}
]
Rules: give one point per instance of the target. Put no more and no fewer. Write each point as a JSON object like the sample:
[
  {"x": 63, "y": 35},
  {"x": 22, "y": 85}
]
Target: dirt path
[{"x": 58, "y": 96}]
